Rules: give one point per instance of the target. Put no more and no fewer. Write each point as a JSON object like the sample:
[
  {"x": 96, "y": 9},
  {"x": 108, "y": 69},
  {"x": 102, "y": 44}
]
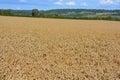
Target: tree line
[
  {"x": 64, "y": 14},
  {"x": 5, "y": 12}
]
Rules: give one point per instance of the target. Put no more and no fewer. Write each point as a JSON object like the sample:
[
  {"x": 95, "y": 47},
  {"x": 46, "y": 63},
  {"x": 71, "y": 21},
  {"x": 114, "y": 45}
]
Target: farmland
[{"x": 59, "y": 49}]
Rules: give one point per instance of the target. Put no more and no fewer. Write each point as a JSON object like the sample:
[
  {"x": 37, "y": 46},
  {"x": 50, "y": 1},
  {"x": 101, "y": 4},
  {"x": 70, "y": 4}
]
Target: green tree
[
  {"x": 35, "y": 12},
  {"x": 5, "y": 12},
  {"x": 0, "y": 12}
]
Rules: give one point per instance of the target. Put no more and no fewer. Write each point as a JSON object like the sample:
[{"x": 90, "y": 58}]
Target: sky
[{"x": 59, "y": 4}]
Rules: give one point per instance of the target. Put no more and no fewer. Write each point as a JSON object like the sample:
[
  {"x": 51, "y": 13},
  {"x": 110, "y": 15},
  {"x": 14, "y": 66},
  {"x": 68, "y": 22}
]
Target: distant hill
[
  {"x": 73, "y": 13},
  {"x": 77, "y": 13},
  {"x": 21, "y": 12}
]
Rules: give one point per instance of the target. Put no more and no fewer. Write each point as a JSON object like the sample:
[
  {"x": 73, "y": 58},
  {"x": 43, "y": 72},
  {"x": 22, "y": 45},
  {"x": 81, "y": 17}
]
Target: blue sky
[{"x": 59, "y": 4}]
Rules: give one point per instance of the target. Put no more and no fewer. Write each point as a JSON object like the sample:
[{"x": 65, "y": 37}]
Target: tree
[
  {"x": 5, "y": 12},
  {"x": 0, "y": 12},
  {"x": 35, "y": 12}
]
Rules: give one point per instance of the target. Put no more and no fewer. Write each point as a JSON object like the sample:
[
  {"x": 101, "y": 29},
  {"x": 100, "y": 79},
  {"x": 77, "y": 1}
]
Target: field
[{"x": 59, "y": 49}]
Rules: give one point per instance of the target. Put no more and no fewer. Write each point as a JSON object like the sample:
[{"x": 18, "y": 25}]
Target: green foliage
[
  {"x": 5, "y": 12},
  {"x": 21, "y": 12},
  {"x": 87, "y": 14},
  {"x": 35, "y": 12}
]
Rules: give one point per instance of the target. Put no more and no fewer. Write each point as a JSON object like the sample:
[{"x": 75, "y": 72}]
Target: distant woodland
[{"x": 90, "y": 14}]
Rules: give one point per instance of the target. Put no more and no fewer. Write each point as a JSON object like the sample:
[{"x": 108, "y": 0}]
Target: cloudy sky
[{"x": 59, "y": 4}]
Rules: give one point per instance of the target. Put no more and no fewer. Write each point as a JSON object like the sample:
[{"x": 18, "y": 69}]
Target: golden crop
[{"x": 58, "y": 49}]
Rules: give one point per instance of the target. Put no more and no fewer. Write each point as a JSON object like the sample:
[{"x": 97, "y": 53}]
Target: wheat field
[{"x": 58, "y": 49}]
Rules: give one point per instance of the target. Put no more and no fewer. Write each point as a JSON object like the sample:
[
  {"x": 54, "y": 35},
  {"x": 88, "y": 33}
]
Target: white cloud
[
  {"x": 84, "y": 4},
  {"x": 18, "y": 8},
  {"x": 23, "y": 0},
  {"x": 106, "y": 2},
  {"x": 110, "y": 2},
  {"x": 71, "y": 3},
  {"x": 60, "y": 2}
]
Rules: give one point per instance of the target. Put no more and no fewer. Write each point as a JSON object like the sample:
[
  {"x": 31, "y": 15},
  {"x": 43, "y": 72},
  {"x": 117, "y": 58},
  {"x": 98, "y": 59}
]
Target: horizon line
[{"x": 62, "y": 8}]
